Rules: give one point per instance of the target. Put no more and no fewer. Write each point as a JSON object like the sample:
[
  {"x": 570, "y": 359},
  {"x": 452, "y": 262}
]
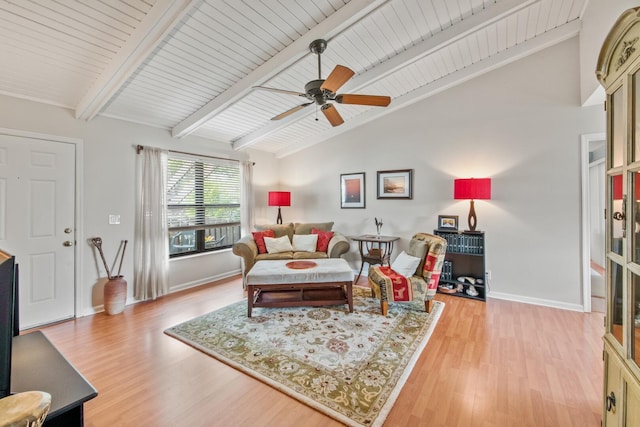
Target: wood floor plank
[{"x": 491, "y": 364}]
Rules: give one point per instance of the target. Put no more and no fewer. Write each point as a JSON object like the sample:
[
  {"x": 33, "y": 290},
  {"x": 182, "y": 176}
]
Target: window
[{"x": 203, "y": 204}]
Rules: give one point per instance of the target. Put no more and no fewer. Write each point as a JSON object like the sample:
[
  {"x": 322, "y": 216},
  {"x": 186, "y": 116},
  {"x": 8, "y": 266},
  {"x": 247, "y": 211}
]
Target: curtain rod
[{"x": 139, "y": 148}]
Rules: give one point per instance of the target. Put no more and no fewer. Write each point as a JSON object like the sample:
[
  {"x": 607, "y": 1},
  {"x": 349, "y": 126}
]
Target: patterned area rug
[{"x": 350, "y": 366}]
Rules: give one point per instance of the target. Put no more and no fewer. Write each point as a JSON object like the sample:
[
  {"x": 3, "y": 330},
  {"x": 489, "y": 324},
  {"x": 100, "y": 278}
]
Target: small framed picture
[
  {"x": 397, "y": 184},
  {"x": 448, "y": 222},
  {"x": 352, "y": 191}
]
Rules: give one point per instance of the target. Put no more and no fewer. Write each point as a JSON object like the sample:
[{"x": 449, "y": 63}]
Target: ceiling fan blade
[
  {"x": 288, "y": 92},
  {"x": 374, "y": 100},
  {"x": 291, "y": 111},
  {"x": 337, "y": 78},
  {"x": 331, "y": 113}
]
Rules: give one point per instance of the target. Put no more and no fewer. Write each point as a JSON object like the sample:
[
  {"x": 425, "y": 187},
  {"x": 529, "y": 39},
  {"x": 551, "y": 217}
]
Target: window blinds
[{"x": 202, "y": 192}]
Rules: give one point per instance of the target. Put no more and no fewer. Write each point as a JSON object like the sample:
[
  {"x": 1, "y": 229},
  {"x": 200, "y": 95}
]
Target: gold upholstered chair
[{"x": 391, "y": 286}]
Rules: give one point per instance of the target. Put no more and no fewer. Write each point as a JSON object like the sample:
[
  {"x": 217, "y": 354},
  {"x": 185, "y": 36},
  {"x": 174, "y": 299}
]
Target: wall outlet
[
  {"x": 114, "y": 219},
  {"x": 488, "y": 274}
]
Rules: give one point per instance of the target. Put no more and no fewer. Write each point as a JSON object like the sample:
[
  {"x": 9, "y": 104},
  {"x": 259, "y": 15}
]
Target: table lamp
[
  {"x": 472, "y": 189},
  {"x": 279, "y": 198}
]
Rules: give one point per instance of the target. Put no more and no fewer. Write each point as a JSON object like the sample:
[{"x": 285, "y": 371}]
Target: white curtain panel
[
  {"x": 246, "y": 198},
  {"x": 151, "y": 243}
]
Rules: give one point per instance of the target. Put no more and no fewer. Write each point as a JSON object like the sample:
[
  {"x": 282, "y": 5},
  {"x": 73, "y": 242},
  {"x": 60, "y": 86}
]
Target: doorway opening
[{"x": 593, "y": 154}]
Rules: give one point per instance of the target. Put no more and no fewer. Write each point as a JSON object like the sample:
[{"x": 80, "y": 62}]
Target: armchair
[{"x": 387, "y": 285}]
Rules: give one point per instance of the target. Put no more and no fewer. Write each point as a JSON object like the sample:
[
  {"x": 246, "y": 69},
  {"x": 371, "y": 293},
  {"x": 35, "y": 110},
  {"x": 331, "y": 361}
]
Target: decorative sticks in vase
[{"x": 378, "y": 225}]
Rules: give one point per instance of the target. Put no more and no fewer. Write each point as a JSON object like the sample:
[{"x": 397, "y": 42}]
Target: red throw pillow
[
  {"x": 259, "y": 236},
  {"x": 323, "y": 239}
]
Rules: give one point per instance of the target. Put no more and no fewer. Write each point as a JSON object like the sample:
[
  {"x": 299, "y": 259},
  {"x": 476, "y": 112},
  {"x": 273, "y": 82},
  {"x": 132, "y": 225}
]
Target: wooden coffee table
[{"x": 313, "y": 282}]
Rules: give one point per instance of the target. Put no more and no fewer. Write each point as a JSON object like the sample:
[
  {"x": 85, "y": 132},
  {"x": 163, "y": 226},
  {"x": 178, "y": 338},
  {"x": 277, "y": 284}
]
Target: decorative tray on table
[{"x": 299, "y": 265}]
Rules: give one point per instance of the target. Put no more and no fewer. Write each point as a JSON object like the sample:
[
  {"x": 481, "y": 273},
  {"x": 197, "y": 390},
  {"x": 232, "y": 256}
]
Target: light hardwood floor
[{"x": 487, "y": 364}]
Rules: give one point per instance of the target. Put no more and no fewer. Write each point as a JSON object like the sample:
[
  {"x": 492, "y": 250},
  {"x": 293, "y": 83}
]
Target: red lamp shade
[
  {"x": 472, "y": 188},
  {"x": 279, "y": 198}
]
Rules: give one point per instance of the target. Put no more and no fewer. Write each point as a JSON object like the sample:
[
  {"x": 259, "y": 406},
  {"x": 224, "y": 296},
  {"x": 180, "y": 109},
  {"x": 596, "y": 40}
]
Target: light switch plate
[{"x": 114, "y": 219}]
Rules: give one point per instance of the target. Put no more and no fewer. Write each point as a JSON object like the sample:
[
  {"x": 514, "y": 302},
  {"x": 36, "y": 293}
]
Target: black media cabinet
[{"x": 37, "y": 365}]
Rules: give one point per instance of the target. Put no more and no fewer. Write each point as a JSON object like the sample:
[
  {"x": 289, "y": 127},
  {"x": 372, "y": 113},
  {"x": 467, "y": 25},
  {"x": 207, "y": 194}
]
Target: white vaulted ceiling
[{"x": 190, "y": 65}]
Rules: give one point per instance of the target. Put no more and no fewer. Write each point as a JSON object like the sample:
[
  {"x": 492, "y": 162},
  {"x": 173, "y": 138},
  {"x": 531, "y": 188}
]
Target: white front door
[{"x": 37, "y": 220}]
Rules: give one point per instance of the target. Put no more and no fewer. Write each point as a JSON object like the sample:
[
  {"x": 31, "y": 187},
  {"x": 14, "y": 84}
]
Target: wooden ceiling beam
[{"x": 162, "y": 18}]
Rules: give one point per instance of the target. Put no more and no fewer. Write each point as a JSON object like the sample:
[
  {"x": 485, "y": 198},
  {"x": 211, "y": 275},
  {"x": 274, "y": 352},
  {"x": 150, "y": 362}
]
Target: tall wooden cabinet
[{"x": 618, "y": 70}]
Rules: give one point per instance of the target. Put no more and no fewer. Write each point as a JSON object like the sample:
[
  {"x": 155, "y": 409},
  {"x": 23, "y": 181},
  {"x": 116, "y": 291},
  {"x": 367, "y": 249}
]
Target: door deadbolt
[
  {"x": 68, "y": 230},
  {"x": 68, "y": 243}
]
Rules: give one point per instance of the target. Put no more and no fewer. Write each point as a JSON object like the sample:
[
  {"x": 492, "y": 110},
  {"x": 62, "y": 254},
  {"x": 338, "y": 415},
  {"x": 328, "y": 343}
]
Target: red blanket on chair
[{"x": 400, "y": 285}]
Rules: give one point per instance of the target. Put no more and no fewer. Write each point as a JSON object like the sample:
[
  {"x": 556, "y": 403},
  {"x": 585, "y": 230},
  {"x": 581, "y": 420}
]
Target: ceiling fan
[{"x": 320, "y": 91}]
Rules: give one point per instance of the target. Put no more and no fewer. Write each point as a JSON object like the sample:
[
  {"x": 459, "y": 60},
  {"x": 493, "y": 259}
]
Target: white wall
[
  {"x": 108, "y": 167},
  {"x": 519, "y": 125},
  {"x": 597, "y": 20}
]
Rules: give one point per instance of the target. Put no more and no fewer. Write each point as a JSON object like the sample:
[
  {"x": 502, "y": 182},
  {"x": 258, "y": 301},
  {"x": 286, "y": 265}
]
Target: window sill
[{"x": 201, "y": 254}]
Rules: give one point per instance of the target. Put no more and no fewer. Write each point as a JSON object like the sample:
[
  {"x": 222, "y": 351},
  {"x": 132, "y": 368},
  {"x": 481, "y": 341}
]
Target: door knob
[
  {"x": 68, "y": 243},
  {"x": 611, "y": 403}
]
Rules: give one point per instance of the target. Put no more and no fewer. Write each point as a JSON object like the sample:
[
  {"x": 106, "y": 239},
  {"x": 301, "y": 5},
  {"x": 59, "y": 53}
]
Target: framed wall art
[
  {"x": 396, "y": 184},
  {"x": 352, "y": 191},
  {"x": 448, "y": 222}
]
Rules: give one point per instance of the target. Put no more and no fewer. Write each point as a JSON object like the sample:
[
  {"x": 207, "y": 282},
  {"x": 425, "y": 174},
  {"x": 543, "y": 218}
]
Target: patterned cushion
[
  {"x": 259, "y": 236},
  {"x": 398, "y": 286},
  {"x": 324, "y": 237},
  {"x": 432, "y": 270},
  {"x": 418, "y": 248}
]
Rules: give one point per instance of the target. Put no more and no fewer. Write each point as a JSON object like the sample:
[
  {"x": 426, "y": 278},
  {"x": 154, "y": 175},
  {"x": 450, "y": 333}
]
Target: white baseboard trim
[
  {"x": 204, "y": 280},
  {"x": 100, "y": 308},
  {"x": 536, "y": 301}
]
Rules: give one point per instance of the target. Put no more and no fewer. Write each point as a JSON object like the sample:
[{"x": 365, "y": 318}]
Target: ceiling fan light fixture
[{"x": 314, "y": 92}]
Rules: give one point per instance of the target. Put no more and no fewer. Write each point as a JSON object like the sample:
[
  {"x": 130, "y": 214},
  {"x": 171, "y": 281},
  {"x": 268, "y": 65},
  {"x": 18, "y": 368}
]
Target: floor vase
[{"x": 115, "y": 295}]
